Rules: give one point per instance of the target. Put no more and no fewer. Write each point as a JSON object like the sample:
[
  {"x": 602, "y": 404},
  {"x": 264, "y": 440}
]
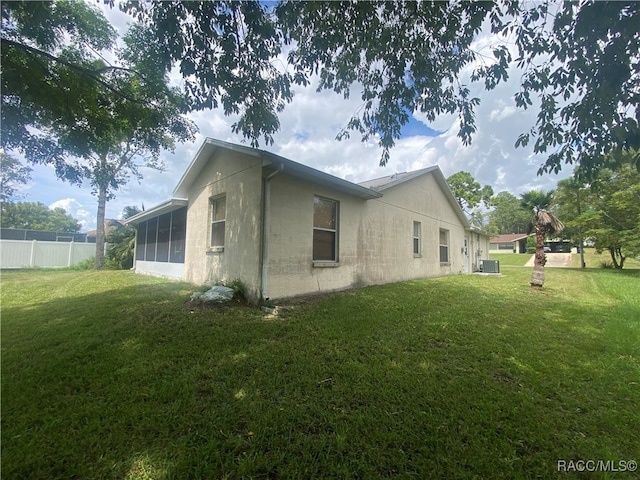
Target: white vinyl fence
[{"x": 35, "y": 253}]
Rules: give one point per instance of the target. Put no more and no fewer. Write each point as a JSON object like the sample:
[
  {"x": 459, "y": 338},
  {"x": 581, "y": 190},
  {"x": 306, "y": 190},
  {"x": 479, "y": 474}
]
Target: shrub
[
  {"x": 239, "y": 290},
  {"x": 88, "y": 264}
]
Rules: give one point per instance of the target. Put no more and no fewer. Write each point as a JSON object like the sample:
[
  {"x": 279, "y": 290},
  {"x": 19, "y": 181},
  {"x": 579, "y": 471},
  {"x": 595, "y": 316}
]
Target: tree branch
[{"x": 92, "y": 74}]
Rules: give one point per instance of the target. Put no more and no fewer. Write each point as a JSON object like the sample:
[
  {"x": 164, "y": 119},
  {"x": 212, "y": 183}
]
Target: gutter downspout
[{"x": 265, "y": 230}]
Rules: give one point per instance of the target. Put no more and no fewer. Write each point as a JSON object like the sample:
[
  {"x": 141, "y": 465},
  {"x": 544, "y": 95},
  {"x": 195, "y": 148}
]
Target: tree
[
  {"x": 507, "y": 215},
  {"x": 570, "y": 200},
  {"x": 12, "y": 174},
  {"x": 468, "y": 192},
  {"x": 51, "y": 65},
  {"x": 544, "y": 223},
  {"x": 613, "y": 217},
  {"x": 109, "y": 126},
  {"x": 37, "y": 216},
  {"x": 580, "y": 59},
  {"x": 120, "y": 137}
]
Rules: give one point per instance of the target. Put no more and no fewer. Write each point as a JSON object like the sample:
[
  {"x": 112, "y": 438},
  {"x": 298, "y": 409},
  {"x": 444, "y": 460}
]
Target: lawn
[
  {"x": 116, "y": 375},
  {"x": 591, "y": 259}
]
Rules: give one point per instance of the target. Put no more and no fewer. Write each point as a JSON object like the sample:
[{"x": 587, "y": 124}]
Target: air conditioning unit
[{"x": 490, "y": 266}]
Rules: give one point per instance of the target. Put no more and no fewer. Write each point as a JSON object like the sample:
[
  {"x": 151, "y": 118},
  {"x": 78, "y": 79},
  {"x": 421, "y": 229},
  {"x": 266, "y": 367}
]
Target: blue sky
[{"x": 309, "y": 126}]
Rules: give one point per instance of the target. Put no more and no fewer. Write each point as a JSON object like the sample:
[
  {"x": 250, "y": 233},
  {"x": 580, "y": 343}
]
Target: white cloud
[
  {"x": 74, "y": 208},
  {"x": 502, "y": 112},
  {"x": 67, "y": 204}
]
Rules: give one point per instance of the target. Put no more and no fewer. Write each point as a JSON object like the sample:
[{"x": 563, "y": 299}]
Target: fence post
[
  {"x": 70, "y": 257},
  {"x": 32, "y": 260}
]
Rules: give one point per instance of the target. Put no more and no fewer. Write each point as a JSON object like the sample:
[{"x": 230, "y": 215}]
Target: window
[
  {"x": 416, "y": 238},
  {"x": 444, "y": 246},
  {"x": 325, "y": 230},
  {"x": 218, "y": 216}
]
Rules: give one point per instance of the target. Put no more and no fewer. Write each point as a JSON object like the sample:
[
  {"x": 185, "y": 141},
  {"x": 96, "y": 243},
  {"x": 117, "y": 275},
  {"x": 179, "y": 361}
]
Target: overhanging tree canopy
[
  {"x": 50, "y": 71},
  {"x": 580, "y": 60},
  {"x": 95, "y": 121}
]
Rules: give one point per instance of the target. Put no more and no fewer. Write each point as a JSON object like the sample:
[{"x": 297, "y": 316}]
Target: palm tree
[
  {"x": 122, "y": 242},
  {"x": 544, "y": 223}
]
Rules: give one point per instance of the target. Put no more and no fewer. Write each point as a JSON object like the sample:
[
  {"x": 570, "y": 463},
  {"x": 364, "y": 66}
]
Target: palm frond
[{"x": 549, "y": 222}]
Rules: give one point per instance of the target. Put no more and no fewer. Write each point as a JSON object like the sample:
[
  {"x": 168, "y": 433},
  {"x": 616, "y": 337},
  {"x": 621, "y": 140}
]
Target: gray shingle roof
[{"x": 391, "y": 180}]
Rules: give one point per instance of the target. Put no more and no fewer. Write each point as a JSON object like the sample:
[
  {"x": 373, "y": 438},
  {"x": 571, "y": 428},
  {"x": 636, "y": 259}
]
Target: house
[
  {"x": 110, "y": 226},
  {"x": 285, "y": 229},
  {"x": 509, "y": 243}
]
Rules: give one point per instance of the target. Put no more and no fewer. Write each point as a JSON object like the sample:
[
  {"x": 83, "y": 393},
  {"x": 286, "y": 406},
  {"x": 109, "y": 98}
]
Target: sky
[{"x": 309, "y": 125}]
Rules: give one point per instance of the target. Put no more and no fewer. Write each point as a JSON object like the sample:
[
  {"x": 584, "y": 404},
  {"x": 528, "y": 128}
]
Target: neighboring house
[
  {"x": 285, "y": 229},
  {"x": 509, "y": 243},
  {"x": 110, "y": 225}
]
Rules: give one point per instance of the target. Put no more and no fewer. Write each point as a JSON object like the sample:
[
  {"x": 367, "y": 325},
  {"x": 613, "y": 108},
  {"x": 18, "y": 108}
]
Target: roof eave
[
  {"x": 156, "y": 211},
  {"x": 316, "y": 176},
  {"x": 208, "y": 147},
  {"x": 451, "y": 198},
  {"x": 406, "y": 178}
]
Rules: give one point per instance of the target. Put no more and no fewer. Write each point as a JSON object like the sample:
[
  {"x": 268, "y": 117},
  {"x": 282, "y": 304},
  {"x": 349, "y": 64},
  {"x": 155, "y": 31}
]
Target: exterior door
[{"x": 467, "y": 259}]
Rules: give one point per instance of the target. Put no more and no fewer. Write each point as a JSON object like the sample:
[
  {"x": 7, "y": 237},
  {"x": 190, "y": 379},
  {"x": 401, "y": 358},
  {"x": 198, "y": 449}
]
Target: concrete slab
[{"x": 554, "y": 260}]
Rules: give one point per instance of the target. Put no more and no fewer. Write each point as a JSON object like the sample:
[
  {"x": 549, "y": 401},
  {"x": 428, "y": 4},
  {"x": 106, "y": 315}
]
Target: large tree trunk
[
  {"x": 102, "y": 205},
  {"x": 537, "y": 276}
]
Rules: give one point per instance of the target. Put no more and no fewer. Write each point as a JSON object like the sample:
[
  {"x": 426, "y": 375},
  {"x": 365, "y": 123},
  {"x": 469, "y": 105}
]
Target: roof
[
  {"x": 383, "y": 183},
  {"x": 509, "y": 237},
  {"x": 365, "y": 190},
  {"x": 210, "y": 146},
  {"x": 109, "y": 223},
  {"x": 161, "y": 209},
  {"x": 390, "y": 181}
]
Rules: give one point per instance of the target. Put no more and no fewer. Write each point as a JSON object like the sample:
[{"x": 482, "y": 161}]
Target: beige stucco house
[{"x": 285, "y": 229}]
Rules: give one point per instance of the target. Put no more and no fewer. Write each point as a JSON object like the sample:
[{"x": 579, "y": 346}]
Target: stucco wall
[
  {"x": 375, "y": 237},
  {"x": 478, "y": 250},
  {"x": 421, "y": 200},
  {"x": 290, "y": 267},
  {"x": 239, "y": 178}
]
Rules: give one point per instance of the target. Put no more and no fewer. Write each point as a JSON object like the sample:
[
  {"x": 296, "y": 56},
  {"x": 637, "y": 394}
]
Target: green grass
[
  {"x": 114, "y": 375},
  {"x": 595, "y": 260},
  {"x": 511, "y": 259}
]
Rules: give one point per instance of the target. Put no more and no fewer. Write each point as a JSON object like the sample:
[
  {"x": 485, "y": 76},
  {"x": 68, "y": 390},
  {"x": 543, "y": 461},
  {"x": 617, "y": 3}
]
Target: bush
[
  {"x": 239, "y": 290},
  {"x": 120, "y": 250},
  {"x": 88, "y": 264}
]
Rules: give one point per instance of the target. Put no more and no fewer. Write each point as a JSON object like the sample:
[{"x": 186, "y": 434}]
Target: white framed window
[
  {"x": 325, "y": 229},
  {"x": 416, "y": 239},
  {"x": 218, "y": 215},
  {"x": 444, "y": 246}
]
